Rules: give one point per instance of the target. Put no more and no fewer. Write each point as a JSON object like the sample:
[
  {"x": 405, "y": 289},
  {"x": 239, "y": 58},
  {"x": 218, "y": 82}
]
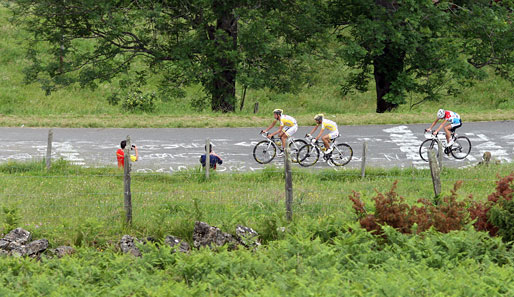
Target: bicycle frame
[{"x": 440, "y": 137}]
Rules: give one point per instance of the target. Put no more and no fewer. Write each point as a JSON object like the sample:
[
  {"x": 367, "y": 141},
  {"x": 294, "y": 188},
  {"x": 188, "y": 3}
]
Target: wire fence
[
  {"x": 75, "y": 195},
  {"x": 72, "y": 199}
]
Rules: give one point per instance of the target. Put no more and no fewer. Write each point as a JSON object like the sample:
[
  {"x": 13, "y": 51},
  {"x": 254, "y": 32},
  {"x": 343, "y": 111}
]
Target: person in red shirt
[{"x": 120, "y": 154}]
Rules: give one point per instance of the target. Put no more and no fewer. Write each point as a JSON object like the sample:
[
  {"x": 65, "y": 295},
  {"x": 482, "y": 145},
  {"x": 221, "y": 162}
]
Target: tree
[
  {"x": 422, "y": 46},
  {"x": 210, "y": 42}
]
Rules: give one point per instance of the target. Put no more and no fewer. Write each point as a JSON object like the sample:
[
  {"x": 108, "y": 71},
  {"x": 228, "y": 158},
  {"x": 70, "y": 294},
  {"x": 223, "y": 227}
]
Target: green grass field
[
  {"x": 28, "y": 105},
  {"x": 322, "y": 252},
  {"x": 64, "y": 202}
]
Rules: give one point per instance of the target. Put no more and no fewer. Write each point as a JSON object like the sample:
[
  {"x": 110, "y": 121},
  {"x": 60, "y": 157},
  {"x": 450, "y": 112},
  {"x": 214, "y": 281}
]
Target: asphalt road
[{"x": 169, "y": 150}]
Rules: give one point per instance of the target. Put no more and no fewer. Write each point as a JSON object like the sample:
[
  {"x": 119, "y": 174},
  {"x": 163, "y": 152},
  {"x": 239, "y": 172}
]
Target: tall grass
[{"x": 64, "y": 202}]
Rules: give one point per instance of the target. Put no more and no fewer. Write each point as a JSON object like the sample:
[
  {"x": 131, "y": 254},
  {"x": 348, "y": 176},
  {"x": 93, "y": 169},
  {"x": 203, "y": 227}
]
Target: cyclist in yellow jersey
[
  {"x": 288, "y": 126},
  {"x": 325, "y": 124}
]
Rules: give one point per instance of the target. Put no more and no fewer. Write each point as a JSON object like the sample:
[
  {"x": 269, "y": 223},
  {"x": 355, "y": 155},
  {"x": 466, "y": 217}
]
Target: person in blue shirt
[{"x": 214, "y": 159}]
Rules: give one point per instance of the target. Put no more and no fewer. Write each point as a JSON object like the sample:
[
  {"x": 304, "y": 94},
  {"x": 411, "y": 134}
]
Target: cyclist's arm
[
  {"x": 320, "y": 132},
  {"x": 270, "y": 126},
  {"x": 444, "y": 123},
  {"x": 314, "y": 129},
  {"x": 433, "y": 124},
  {"x": 276, "y": 132}
]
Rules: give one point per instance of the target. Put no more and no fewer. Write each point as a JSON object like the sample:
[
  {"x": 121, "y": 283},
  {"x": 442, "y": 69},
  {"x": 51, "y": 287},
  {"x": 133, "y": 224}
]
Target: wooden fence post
[
  {"x": 207, "y": 157},
  {"x": 288, "y": 183},
  {"x": 434, "y": 170},
  {"x": 126, "y": 183},
  {"x": 49, "y": 149},
  {"x": 363, "y": 165},
  {"x": 440, "y": 156},
  {"x": 256, "y": 107}
]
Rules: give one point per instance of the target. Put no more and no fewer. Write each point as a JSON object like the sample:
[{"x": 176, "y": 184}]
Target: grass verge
[{"x": 84, "y": 206}]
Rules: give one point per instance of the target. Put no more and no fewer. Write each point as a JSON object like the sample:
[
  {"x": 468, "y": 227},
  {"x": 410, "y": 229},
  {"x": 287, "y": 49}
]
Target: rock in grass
[
  {"x": 63, "y": 251},
  {"x": 14, "y": 239},
  {"x": 36, "y": 247},
  {"x": 177, "y": 244},
  {"x": 128, "y": 246},
  {"x": 247, "y": 236},
  {"x": 206, "y": 235}
]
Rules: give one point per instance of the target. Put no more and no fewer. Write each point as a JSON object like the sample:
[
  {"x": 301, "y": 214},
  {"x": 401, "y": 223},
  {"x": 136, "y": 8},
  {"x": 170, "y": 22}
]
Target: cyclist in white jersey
[
  {"x": 451, "y": 121},
  {"x": 288, "y": 126},
  {"x": 331, "y": 126}
]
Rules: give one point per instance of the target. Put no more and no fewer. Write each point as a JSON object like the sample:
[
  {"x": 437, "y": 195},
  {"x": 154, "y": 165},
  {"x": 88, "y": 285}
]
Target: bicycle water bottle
[{"x": 278, "y": 142}]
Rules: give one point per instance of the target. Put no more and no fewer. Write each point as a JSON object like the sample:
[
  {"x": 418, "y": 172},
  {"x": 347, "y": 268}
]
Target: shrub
[
  {"x": 138, "y": 100},
  {"x": 391, "y": 210},
  {"x": 502, "y": 216},
  {"x": 480, "y": 211}
]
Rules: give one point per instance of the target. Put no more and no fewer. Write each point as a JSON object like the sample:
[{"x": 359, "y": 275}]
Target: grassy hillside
[{"x": 28, "y": 105}]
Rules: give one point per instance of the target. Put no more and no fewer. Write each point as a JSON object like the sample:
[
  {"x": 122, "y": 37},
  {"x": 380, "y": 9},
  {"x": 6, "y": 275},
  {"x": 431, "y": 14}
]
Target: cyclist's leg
[
  {"x": 326, "y": 141},
  {"x": 454, "y": 126},
  {"x": 288, "y": 132},
  {"x": 330, "y": 139},
  {"x": 447, "y": 128}
]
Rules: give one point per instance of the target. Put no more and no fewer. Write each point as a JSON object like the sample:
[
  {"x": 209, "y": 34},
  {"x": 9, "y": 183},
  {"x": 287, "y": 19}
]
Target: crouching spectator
[
  {"x": 214, "y": 159},
  {"x": 120, "y": 154}
]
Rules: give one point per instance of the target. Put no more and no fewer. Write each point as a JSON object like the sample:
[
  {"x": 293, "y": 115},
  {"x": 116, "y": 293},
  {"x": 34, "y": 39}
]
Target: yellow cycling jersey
[
  {"x": 328, "y": 124},
  {"x": 286, "y": 120}
]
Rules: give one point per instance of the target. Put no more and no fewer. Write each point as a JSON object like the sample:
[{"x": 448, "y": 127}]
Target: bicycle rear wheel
[
  {"x": 341, "y": 155},
  {"x": 461, "y": 147},
  {"x": 308, "y": 155},
  {"x": 294, "y": 147},
  {"x": 426, "y": 146},
  {"x": 264, "y": 152}
]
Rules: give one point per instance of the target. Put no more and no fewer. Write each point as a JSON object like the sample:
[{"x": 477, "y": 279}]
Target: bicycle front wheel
[
  {"x": 264, "y": 152},
  {"x": 461, "y": 147},
  {"x": 341, "y": 155},
  {"x": 294, "y": 147},
  {"x": 426, "y": 146},
  {"x": 308, "y": 155}
]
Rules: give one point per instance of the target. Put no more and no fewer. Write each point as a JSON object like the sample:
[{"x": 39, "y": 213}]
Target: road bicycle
[
  {"x": 460, "y": 149},
  {"x": 340, "y": 155},
  {"x": 266, "y": 150}
]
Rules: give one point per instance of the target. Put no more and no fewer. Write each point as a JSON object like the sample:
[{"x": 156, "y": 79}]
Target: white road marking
[{"x": 408, "y": 143}]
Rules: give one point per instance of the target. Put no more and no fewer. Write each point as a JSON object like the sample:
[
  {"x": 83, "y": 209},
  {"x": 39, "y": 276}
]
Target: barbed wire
[{"x": 178, "y": 175}]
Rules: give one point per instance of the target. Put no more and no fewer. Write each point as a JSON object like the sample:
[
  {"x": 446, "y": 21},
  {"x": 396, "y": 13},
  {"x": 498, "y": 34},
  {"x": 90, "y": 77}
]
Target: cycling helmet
[
  {"x": 440, "y": 113},
  {"x": 279, "y": 111},
  {"x": 318, "y": 117}
]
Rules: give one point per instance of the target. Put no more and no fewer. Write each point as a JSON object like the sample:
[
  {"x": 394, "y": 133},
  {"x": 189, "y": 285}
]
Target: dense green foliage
[
  {"x": 205, "y": 42},
  {"x": 353, "y": 262},
  {"x": 424, "y": 47},
  {"x": 411, "y": 47},
  {"x": 22, "y": 104}
]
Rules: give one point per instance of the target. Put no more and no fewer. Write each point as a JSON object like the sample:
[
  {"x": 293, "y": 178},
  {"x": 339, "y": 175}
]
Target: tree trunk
[
  {"x": 387, "y": 66},
  {"x": 386, "y": 69},
  {"x": 223, "y": 88}
]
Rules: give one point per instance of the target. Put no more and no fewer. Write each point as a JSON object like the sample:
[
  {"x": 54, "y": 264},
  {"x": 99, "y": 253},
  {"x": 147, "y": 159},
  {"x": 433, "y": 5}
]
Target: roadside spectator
[
  {"x": 120, "y": 154},
  {"x": 214, "y": 159}
]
